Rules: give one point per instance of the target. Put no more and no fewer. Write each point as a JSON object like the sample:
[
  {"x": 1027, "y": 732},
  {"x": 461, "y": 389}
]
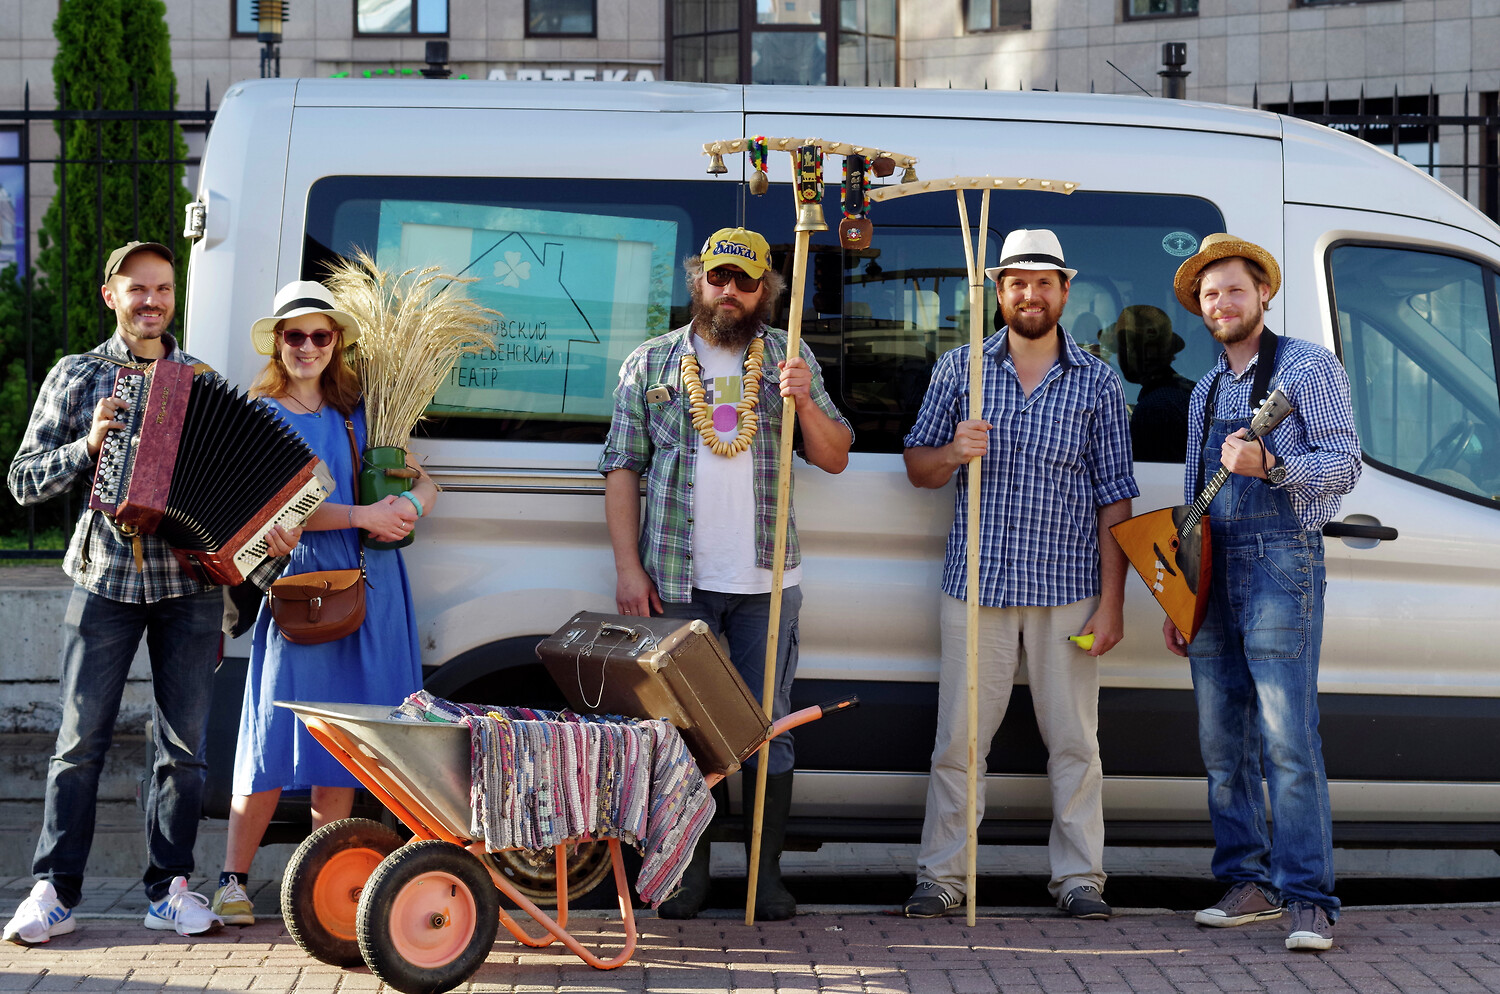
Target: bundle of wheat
[{"x": 413, "y": 328}]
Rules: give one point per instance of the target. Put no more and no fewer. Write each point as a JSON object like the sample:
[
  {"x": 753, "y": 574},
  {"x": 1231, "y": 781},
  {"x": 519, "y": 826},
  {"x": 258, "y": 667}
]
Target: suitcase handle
[{"x": 609, "y": 628}]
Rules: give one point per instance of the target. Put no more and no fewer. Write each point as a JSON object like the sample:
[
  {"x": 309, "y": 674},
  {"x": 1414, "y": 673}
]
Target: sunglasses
[
  {"x": 296, "y": 338},
  {"x": 743, "y": 281}
]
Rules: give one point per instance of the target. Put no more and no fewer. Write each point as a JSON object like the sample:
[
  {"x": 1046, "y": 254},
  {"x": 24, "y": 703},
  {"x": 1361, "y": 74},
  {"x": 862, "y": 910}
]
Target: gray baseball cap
[{"x": 118, "y": 256}]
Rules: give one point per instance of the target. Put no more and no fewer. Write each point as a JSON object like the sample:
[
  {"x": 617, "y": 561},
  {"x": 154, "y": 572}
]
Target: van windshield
[{"x": 585, "y": 270}]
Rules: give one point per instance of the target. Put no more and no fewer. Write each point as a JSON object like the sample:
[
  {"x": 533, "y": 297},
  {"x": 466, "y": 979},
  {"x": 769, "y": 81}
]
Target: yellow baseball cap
[{"x": 737, "y": 247}]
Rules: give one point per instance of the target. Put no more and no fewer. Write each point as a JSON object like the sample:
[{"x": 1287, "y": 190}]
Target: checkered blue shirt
[
  {"x": 1054, "y": 459},
  {"x": 54, "y": 456},
  {"x": 1317, "y": 442}
]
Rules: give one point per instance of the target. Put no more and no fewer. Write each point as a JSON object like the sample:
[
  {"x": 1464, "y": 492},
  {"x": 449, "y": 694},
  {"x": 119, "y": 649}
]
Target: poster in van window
[{"x": 576, "y": 293}]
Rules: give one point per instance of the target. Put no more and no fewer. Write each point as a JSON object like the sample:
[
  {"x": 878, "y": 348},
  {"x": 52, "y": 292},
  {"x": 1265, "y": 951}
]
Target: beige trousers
[{"x": 1064, "y": 684}]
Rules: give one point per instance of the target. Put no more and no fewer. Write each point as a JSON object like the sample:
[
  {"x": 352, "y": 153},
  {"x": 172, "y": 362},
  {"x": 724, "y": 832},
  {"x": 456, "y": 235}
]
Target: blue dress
[{"x": 378, "y": 664}]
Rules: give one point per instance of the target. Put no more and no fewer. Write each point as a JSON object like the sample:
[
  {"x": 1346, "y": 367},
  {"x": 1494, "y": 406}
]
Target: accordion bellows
[{"x": 206, "y": 469}]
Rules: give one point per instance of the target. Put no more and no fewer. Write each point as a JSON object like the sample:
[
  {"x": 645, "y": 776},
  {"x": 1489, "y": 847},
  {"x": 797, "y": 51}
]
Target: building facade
[{"x": 1407, "y": 56}]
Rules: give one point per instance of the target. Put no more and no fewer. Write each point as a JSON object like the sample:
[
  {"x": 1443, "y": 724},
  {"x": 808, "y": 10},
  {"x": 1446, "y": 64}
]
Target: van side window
[
  {"x": 584, "y": 270},
  {"x": 1417, "y": 335},
  {"x": 878, "y": 318}
]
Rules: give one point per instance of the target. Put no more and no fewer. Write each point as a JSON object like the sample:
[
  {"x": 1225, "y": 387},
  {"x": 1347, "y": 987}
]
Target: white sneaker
[
  {"x": 184, "y": 910},
  {"x": 39, "y": 917}
]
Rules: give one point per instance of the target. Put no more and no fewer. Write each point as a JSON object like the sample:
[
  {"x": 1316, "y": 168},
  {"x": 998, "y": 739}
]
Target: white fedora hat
[
  {"x": 297, "y": 298},
  {"x": 1030, "y": 248}
]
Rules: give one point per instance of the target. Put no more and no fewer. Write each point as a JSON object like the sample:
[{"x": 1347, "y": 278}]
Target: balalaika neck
[{"x": 1206, "y": 496}]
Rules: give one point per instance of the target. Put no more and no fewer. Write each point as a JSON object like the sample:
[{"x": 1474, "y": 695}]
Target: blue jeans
[
  {"x": 741, "y": 623},
  {"x": 1255, "y": 677},
  {"x": 100, "y": 637}
]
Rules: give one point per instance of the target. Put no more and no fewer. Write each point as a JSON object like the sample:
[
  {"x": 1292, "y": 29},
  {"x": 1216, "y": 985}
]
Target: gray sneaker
[
  {"x": 1310, "y": 927},
  {"x": 1085, "y": 901},
  {"x": 1245, "y": 902},
  {"x": 929, "y": 901}
]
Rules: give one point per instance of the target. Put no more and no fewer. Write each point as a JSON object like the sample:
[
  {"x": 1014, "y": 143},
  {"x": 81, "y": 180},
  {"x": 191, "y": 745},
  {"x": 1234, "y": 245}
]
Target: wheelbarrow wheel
[
  {"x": 428, "y": 917},
  {"x": 320, "y": 891}
]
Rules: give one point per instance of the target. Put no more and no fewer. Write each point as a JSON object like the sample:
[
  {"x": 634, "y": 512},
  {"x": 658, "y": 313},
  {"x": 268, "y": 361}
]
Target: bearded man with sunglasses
[
  {"x": 698, "y": 413},
  {"x": 116, "y": 599}
]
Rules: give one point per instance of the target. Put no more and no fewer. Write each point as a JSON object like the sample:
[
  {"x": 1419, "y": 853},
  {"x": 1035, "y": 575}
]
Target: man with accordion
[{"x": 125, "y": 587}]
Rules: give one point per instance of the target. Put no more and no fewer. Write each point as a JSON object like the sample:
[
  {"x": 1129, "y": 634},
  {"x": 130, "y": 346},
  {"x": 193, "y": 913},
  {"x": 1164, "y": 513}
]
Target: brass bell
[
  {"x": 716, "y": 165},
  {"x": 810, "y": 218},
  {"x": 759, "y": 184},
  {"x": 909, "y": 175}
]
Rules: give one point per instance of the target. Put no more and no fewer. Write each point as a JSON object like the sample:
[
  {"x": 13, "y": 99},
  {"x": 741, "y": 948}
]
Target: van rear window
[{"x": 585, "y": 270}]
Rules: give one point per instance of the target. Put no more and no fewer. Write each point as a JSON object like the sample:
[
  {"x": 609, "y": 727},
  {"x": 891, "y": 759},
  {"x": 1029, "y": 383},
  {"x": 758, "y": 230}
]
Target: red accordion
[{"x": 204, "y": 468}]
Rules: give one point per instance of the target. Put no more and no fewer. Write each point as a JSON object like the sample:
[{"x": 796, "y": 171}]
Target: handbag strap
[{"x": 356, "y": 463}]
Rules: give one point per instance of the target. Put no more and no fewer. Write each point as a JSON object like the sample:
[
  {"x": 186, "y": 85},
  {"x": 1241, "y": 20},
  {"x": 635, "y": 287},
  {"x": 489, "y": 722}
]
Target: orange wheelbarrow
[{"x": 424, "y": 915}]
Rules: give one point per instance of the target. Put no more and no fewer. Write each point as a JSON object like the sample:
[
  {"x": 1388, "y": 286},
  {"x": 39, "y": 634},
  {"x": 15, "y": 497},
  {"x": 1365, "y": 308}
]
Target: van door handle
[{"x": 1346, "y": 529}]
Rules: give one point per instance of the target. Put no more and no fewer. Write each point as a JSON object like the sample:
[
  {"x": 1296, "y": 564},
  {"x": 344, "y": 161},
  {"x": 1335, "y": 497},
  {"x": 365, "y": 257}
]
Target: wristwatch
[{"x": 1276, "y": 475}]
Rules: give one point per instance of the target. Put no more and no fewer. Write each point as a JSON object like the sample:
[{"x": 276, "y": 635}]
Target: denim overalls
[{"x": 1255, "y": 677}]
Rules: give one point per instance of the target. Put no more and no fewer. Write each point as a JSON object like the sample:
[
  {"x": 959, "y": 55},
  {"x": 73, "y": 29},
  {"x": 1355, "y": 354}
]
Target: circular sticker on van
[{"x": 1180, "y": 244}]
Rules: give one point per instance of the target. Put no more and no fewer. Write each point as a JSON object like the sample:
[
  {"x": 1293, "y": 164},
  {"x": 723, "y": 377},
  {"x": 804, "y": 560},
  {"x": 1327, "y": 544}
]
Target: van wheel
[
  {"x": 588, "y": 868},
  {"x": 428, "y": 917},
  {"x": 324, "y": 879}
]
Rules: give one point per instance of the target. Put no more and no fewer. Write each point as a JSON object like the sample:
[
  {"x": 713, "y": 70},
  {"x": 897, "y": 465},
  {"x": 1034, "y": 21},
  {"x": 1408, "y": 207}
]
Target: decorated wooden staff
[
  {"x": 975, "y": 259},
  {"x": 807, "y": 170}
]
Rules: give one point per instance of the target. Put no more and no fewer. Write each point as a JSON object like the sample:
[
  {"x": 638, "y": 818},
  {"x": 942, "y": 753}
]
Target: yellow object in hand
[{"x": 1085, "y": 642}]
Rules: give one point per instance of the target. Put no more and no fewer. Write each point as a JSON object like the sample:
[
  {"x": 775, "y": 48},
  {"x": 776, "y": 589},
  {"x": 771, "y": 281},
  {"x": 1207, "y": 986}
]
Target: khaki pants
[{"x": 1065, "y": 690}]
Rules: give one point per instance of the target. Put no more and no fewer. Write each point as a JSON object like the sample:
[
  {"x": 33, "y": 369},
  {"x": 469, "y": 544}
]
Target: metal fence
[{"x": 30, "y": 127}]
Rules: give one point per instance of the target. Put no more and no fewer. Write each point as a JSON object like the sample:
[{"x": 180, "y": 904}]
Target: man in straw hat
[
  {"x": 1055, "y": 473},
  {"x": 117, "y": 598},
  {"x": 1255, "y": 659},
  {"x": 698, "y": 412}
]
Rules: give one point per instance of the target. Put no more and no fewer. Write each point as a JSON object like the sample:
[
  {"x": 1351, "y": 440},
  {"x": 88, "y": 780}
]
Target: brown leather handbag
[{"x": 324, "y": 605}]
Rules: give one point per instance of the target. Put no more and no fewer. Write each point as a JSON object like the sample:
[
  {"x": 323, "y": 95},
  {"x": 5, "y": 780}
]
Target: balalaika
[
  {"x": 204, "y": 468},
  {"x": 1172, "y": 549}
]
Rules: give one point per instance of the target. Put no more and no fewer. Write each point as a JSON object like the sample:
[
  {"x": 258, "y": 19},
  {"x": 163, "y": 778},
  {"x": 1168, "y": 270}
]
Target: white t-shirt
[{"x": 724, "y": 489}]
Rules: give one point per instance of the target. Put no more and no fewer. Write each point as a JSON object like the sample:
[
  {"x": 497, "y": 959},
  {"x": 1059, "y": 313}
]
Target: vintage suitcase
[{"x": 659, "y": 668}]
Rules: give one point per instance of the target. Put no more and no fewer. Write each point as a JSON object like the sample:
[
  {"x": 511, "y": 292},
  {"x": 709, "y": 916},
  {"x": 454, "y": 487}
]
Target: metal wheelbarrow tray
[{"x": 423, "y": 916}]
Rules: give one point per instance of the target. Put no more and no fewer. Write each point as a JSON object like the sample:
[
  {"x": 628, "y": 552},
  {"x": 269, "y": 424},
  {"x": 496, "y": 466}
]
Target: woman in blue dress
[{"x": 316, "y": 392}]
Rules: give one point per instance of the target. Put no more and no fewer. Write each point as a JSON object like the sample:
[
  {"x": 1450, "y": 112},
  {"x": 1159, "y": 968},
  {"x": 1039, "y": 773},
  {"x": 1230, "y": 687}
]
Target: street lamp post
[{"x": 270, "y": 15}]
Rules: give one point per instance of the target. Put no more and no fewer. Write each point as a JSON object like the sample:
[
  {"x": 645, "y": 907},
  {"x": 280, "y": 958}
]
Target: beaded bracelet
[{"x": 414, "y": 502}]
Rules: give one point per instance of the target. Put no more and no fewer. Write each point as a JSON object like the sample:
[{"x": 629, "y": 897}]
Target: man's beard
[
  {"x": 1030, "y": 326},
  {"x": 723, "y": 326},
  {"x": 1249, "y": 323}
]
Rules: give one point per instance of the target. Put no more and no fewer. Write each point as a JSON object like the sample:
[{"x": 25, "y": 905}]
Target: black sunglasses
[
  {"x": 296, "y": 337},
  {"x": 743, "y": 281}
]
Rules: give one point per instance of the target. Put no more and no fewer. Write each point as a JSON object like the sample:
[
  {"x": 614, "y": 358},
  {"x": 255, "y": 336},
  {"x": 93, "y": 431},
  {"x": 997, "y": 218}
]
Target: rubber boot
[
  {"x": 773, "y": 902},
  {"x": 689, "y": 897}
]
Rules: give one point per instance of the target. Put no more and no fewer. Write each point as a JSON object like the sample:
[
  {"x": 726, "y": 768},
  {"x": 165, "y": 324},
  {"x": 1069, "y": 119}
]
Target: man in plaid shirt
[
  {"x": 1055, "y": 473},
  {"x": 704, "y": 549},
  {"x": 1255, "y": 657},
  {"x": 115, "y": 601}
]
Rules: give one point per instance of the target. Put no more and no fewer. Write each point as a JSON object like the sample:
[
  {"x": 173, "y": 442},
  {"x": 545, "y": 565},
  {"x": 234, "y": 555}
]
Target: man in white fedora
[{"x": 1055, "y": 473}]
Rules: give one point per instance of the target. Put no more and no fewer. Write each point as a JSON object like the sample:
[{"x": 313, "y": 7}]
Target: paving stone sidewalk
[{"x": 1443, "y": 950}]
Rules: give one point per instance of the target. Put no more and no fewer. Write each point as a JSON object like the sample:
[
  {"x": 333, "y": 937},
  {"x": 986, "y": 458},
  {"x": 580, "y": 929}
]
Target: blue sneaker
[
  {"x": 39, "y": 917},
  {"x": 184, "y": 910}
]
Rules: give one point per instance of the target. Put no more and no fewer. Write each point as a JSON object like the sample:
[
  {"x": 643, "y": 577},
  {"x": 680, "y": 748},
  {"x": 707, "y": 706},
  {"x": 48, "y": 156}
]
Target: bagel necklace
[{"x": 703, "y": 419}]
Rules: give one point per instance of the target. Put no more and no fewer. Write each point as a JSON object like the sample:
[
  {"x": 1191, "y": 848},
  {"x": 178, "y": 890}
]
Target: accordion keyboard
[
  {"x": 291, "y": 515},
  {"x": 118, "y": 450}
]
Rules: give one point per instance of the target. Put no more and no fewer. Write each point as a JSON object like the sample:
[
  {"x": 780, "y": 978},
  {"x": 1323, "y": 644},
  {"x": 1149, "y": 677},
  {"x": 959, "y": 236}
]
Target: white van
[{"x": 575, "y": 203}]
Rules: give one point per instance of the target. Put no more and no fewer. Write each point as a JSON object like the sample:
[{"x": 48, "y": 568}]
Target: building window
[
  {"x": 12, "y": 200},
  {"x": 867, "y": 43},
  {"x": 996, "y": 15},
  {"x": 706, "y": 41},
  {"x": 401, "y": 17},
  {"x": 553, "y": 18},
  {"x": 1160, "y": 8},
  {"x": 244, "y": 17}
]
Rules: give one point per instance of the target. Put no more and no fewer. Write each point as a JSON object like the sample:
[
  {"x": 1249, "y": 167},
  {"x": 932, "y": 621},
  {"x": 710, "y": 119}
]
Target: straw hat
[
  {"x": 1030, "y": 248},
  {"x": 1213, "y": 248},
  {"x": 297, "y": 298}
]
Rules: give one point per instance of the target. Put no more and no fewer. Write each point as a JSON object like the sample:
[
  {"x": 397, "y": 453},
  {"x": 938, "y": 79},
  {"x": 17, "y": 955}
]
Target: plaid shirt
[
  {"x": 54, "y": 456},
  {"x": 658, "y": 441},
  {"x": 1054, "y": 458},
  {"x": 1317, "y": 442}
]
